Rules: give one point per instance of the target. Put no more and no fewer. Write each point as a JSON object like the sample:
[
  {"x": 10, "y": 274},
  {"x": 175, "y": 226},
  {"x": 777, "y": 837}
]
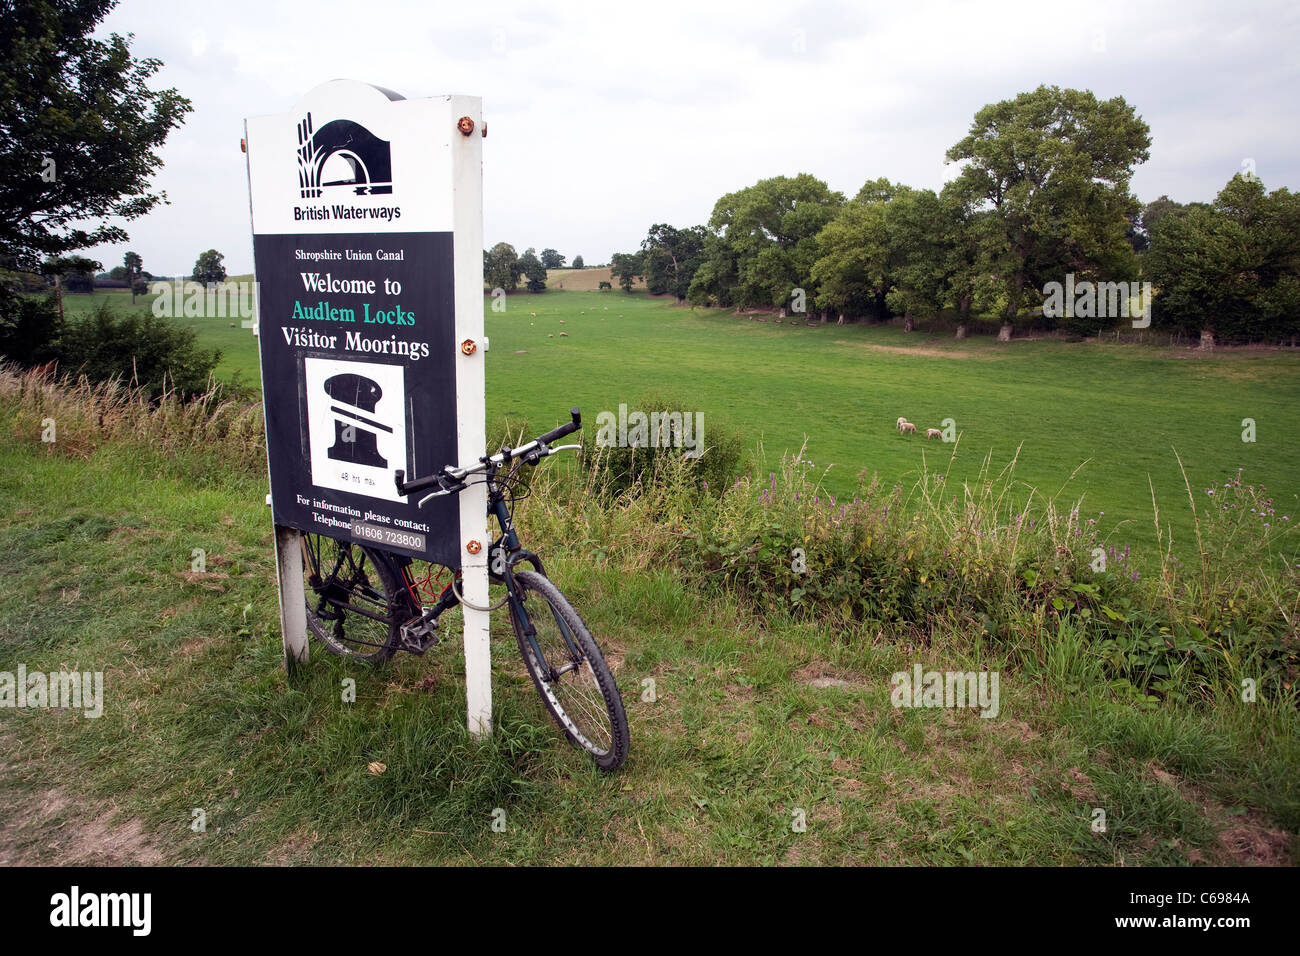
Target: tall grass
[
  {"x": 87, "y": 416},
  {"x": 990, "y": 562}
]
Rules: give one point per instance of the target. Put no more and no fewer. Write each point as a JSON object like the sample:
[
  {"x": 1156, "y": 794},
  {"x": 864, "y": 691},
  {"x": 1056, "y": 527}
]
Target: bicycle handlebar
[
  {"x": 563, "y": 430},
  {"x": 451, "y": 480}
]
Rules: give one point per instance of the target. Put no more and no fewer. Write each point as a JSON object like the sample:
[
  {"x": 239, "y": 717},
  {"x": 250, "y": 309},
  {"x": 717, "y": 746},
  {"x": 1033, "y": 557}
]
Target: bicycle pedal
[{"x": 418, "y": 635}]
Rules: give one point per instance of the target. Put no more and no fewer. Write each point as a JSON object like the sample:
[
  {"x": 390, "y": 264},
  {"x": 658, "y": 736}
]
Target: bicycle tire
[
  {"x": 341, "y": 579},
  {"x": 599, "y": 728}
]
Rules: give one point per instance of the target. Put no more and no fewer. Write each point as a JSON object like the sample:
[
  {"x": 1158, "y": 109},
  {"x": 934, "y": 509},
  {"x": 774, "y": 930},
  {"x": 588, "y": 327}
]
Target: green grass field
[
  {"x": 1113, "y": 416},
  {"x": 753, "y": 725},
  {"x": 756, "y": 721}
]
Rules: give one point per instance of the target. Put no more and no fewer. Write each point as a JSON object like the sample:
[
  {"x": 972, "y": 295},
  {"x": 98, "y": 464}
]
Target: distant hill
[{"x": 583, "y": 280}]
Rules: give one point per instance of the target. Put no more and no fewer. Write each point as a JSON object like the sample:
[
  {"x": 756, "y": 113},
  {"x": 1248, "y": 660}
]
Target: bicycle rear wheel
[
  {"x": 576, "y": 684},
  {"x": 354, "y": 606}
]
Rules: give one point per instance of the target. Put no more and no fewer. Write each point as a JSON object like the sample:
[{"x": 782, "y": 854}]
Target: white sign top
[{"x": 351, "y": 157}]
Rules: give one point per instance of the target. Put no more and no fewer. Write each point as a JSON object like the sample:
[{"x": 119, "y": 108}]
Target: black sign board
[{"x": 358, "y": 347}]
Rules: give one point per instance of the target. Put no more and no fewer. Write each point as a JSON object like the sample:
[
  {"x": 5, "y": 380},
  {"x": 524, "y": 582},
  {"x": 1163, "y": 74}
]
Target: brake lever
[{"x": 445, "y": 489}]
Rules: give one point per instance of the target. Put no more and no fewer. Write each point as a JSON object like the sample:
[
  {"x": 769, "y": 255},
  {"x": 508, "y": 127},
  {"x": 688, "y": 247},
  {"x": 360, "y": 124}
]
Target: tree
[
  {"x": 969, "y": 238},
  {"x": 1054, "y": 167},
  {"x": 501, "y": 267},
  {"x": 1156, "y": 210},
  {"x": 30, "y": 328},
  {"x": 717, "y": 277},
  {"x": 74, "y": 273},
  {"x": 852, "y": 269},
  {"x": 139, "y": 348},
  {"x": 551, "y": 259},
  {"x": 82, "y": 128},
  {"x": 764, "y": 241},
  {"x": 208, "y": 268},
  {"x": 533, "y": 271},
  {"x": 134, "y": 267},
  {"x": 919, "y": 262},
  {"x": 627, "y": 268},
  {"x": 1231, "y": 269},
  {"x": 577, "y": 262},
  {"x": 671, "y": 257}
]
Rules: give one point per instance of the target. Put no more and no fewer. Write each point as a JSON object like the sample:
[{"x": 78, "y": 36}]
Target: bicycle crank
[{"x": 420, "y": 633}]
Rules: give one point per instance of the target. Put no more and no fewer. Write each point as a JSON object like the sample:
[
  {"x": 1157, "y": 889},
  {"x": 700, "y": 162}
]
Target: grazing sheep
[
  {"x": 899, "y": 423},
  {"x": 906, "y": 427},
  {"x": 550, "y": 335},
  {"x": 564, "y": 335},
  {"x": 933, "y": 433}
]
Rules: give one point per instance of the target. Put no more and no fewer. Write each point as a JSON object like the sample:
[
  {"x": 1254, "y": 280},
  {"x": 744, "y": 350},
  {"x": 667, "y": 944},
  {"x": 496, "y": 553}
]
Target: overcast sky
[{"x": 607, "y": 117}]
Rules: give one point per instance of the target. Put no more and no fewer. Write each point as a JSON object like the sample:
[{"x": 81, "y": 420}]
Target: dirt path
[{"x": 50, "y": 827}]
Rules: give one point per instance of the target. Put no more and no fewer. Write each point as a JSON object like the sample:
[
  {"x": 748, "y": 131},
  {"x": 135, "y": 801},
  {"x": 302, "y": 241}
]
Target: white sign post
[{"x": 367, "y": 213}]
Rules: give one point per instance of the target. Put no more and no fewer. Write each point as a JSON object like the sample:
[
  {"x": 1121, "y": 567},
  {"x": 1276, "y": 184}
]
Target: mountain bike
[{"x": 368, "y": 604}]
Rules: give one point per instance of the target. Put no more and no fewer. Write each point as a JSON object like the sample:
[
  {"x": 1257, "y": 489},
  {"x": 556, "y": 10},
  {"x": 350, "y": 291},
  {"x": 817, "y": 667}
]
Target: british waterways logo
[{"x": 343, "y": 153}]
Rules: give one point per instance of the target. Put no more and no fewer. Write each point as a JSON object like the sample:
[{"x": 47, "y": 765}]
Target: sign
[
  {"x": 367, "y": 213},
  {"x": 354, "y": 246}
]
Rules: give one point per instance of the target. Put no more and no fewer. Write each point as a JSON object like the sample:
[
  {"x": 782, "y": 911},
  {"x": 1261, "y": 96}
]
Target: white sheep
[{"x": 933, "y": 433}]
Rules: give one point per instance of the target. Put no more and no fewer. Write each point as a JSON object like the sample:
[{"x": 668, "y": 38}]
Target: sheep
[
  {"x": 564, "y": 335},
  {"x": 933, "y": 433},
  {"x": 899, "y": 424},
  {"x": 550, "y": 335},
  {"x": 906, "y": 427}
]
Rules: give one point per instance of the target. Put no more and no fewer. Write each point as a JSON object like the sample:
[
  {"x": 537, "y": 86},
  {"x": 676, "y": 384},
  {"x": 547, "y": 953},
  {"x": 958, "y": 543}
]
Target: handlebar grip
[
  {"x": 419, "y": 484},
  {"x": 563, "y": 430}
]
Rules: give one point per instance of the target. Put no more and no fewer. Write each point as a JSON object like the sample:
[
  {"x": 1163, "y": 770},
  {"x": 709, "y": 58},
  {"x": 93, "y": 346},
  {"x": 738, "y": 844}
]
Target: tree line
[
  {"x": 503, "y": 268},
  {"x": 1042, "y": 193}
]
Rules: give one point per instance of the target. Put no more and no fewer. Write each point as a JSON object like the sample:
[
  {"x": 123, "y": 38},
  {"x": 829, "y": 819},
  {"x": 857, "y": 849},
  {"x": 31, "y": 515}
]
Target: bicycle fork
[{"x": 510, "y": 554}]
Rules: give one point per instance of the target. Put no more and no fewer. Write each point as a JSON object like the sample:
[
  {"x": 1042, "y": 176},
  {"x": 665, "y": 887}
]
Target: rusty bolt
[
  {"x": 485, "y": 129},
  {"x": 468, "y": 347},
  {"x": 473, "y": 547},
  {"x": 465, "y": 125}
]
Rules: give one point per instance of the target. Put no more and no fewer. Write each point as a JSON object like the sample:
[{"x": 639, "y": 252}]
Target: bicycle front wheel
[
  {"x": 353, "y": 603},
  {"x": 569, "y": 670}
]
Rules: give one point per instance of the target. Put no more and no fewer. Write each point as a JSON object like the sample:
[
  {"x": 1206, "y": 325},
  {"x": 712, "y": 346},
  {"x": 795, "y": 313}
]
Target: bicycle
[{"x": 364, "y": 603}]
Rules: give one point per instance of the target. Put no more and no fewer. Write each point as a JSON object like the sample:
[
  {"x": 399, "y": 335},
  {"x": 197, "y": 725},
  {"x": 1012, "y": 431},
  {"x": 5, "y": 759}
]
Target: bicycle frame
[{"x": 503, "y": 555}]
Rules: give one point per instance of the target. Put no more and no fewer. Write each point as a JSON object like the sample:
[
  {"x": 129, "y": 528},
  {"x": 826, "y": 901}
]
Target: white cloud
[{"x": 605, "y": 118}]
